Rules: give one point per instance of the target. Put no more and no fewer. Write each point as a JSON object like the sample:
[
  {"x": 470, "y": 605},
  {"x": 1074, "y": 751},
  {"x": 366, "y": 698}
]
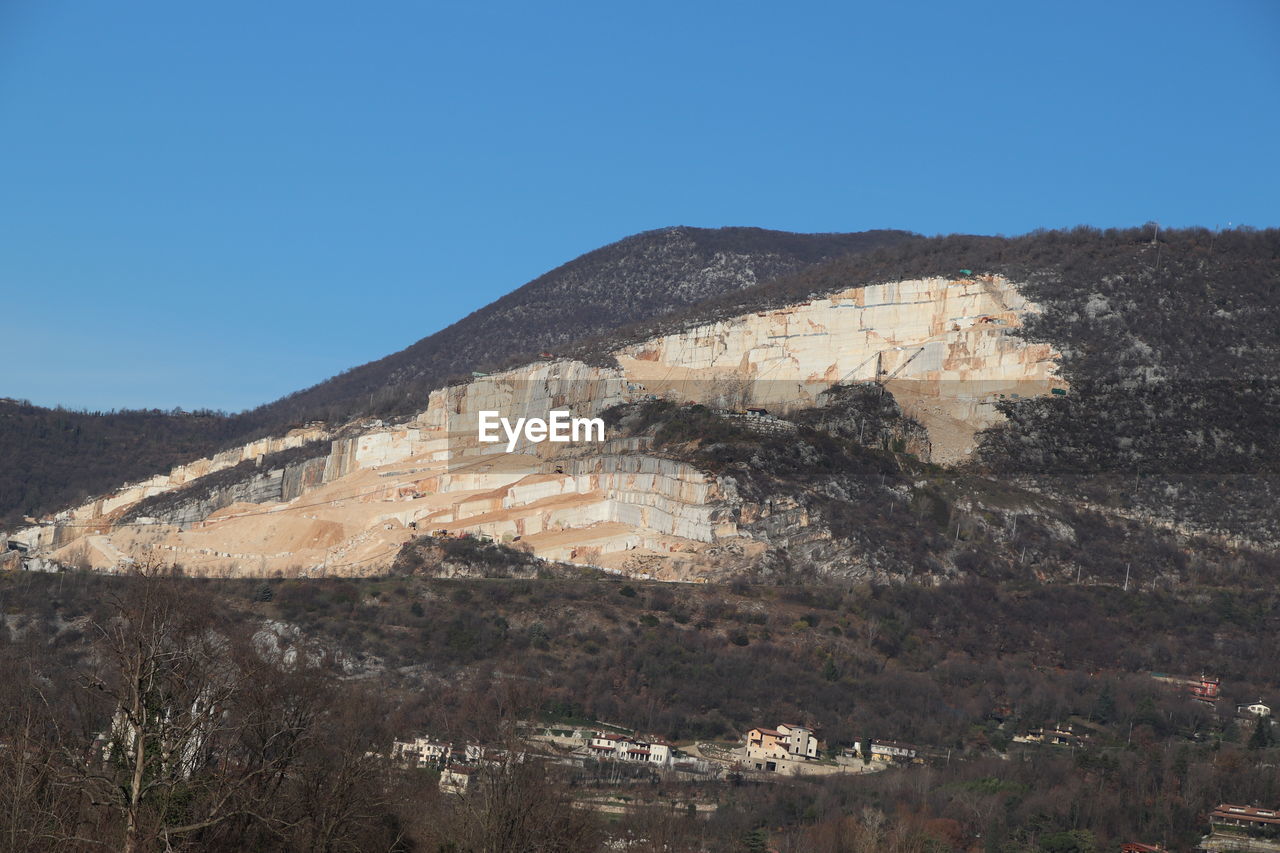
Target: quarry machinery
[{"x": 897, "y": 370}]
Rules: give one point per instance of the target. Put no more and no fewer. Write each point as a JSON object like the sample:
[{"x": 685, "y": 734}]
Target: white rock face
[
  {"x": 944, "y": 342},
  {"x": 44, "y": 536},
  {"x": 941, "y": 346}
]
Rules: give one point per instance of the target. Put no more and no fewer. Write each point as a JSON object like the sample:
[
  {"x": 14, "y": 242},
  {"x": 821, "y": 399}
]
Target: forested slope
[{"x": 53, "y": 458}]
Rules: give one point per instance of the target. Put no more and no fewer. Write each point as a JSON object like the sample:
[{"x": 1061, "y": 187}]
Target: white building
[
  {"x": 888, "y": 751},
  {"x": 421, "y": 752},
  {"x": 800, "y": 741},
  {"x": 615, "y": 747},
  {"x": 1257, "y": 709},
  {"x": 455, "y": 780}
]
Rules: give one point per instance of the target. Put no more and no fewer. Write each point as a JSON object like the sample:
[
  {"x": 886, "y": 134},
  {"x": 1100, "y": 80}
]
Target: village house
[
  {"x": 1257, "y": 709},
  {"x": 425, "y": 752},
  {"x": 801, "y": 741},
  {"x": 765, "y": 747},
  {"x": 456, "y": 780},
  {"x": 1205, "y": 688},
  {"x": 1244, "y": 817},
  {"x": 1236, "y": 829},
  {"x": 764, "y": 743},
  {"x": 890, "y": 751},
  {"x": 616, "y": 747},
  {"x": 894, "y": 752},
  {"x": 421, "y": 752},
  {"x": 1056, "y": 736}
]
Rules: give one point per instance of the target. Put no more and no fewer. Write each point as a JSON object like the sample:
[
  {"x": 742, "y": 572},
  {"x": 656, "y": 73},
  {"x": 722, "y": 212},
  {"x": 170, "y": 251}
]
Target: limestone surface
[{"x": 942, "y": 346}]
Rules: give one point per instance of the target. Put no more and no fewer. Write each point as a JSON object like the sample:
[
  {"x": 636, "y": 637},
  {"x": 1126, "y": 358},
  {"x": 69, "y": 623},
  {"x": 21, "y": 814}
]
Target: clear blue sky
[{"x": 213, "y": 204}]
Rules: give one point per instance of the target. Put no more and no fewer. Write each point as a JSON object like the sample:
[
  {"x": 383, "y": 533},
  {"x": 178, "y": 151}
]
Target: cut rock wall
[{"x": 942, "y": 345}]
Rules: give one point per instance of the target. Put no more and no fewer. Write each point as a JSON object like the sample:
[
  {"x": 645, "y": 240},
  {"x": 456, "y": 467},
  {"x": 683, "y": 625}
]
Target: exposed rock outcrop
[{"x": 941, "y": 346}]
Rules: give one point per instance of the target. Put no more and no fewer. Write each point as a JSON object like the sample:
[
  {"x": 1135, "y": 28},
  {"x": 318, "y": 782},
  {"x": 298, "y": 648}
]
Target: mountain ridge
[
  {"x": 55, "y": 458},
  {"x": 734, "y": 258}
]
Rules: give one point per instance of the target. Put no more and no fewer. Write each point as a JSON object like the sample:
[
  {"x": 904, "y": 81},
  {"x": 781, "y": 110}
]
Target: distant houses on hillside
[
  {"x": 1057, "y": 735},
  {"x": 457, "y": 766},
  {"x": 1245, "y": 817},
  {"x": 426, "y": 752},
  {"x": 1254, "y": 709},
  {"x": 614, "y": 745}
]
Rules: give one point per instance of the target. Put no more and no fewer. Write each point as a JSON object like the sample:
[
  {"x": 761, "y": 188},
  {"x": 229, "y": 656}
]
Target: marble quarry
[{"x": 941, "y": 346}]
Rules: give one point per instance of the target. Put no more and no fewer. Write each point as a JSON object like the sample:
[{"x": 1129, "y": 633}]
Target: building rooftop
[{"x": 1251, "y": 814}]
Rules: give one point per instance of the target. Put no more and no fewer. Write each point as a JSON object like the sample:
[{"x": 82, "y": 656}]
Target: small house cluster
[
  {"x": 457, "y": 767},
  {"x": 893, "y": 752},
  {"x": 425, "y": 752},
  {"x": 616, "y": 747}
]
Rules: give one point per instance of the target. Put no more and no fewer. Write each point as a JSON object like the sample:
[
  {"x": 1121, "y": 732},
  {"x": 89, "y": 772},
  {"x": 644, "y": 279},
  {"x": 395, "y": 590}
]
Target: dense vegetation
[
  {"x": 336, "y": 668},
  {"x": 54, "y": 458},
  {"x": 873, "y": 509},
  {"x": 1172, "y": 350}
]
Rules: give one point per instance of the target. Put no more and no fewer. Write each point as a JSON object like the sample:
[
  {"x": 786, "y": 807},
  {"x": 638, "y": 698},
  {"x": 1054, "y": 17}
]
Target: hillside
[
  {"x": 1171, "y": 348},
  {"x": 964, "y": 670},
  {"x": 1000, "y": 485},
  {"x": 51, "y": 458},
  {"x": 1107, "y": 438}
]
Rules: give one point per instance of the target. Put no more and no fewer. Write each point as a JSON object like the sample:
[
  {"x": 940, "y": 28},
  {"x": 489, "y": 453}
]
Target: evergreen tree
[
  {"x": 1261, "y": 737},
  {"x": 1104, "y": 708},
  {"x": 830, "y": 671}
]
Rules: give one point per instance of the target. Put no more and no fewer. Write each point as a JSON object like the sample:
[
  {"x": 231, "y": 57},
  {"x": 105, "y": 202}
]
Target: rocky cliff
[{"x": 941, "y": 346}]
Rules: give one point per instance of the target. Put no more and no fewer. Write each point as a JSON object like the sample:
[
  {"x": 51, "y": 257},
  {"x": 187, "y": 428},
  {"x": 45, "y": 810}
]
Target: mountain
[
  {"x": 1113, "y": 430},
  {"x": 1067, "y": 622},
  {"x": 51, "y": 458},
  {"x": 640, "y": 278}
]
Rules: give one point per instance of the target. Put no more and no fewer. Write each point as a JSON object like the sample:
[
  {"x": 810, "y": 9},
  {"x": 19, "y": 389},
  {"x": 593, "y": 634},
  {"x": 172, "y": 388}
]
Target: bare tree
[
  {"x": 37, "y": 810},
  {"x": 511, "y": 806},
  {"x": 220, "y": 736},
  {"x": 168, "y": 682}
]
